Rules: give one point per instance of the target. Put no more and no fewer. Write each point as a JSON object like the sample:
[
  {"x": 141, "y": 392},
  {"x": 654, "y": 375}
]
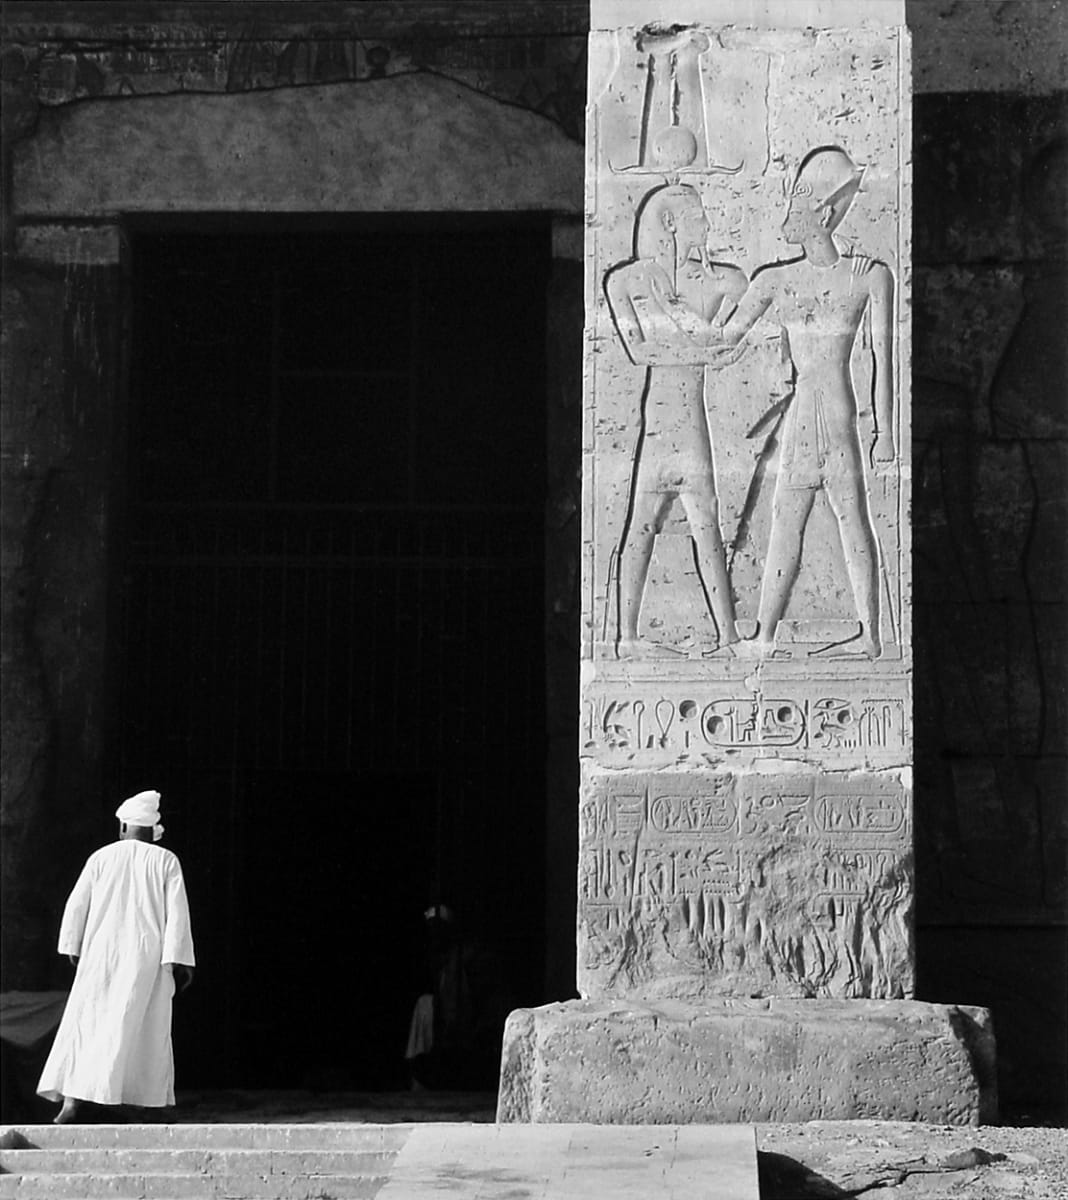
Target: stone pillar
[{"x": 745, "y": 821}]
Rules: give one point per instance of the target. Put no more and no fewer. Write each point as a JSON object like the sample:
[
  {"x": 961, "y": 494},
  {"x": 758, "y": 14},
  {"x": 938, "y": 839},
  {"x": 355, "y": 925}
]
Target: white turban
[{"x": 142, "y": 809}]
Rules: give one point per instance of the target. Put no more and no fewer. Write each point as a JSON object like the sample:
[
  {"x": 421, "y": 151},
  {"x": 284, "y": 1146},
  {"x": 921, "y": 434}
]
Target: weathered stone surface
[
  {"x": 351, "y": 1158},
  {"x": 532, "y": 56},
  {"x": 989, "y": 47},
  {"x": 1016, "y": 46},
  {"x": 745, "y": 817},
  {"x": 409, "y": 143},
  {"x": 755, "y": 884},
  {"x": 60, "y": 245},
  {"x": 747, "y": 1060},
  {"x": 573, "y": 1161}
]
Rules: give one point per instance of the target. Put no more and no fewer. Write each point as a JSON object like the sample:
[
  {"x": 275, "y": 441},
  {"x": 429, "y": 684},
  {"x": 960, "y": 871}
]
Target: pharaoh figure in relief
[{"x": 820, "y": 300}]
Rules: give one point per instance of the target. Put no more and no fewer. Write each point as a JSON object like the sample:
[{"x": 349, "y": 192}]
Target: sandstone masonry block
[{"x": 617, "y": 1062}]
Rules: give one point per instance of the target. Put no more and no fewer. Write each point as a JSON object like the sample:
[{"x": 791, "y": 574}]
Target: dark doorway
[{"x": 332, "y": 636}]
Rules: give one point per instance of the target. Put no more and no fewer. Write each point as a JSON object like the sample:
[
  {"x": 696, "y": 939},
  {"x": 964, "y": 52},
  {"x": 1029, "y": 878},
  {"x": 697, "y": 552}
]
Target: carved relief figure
[
  {"x": 819, "y": 300},
  {"x": 663, "y": 304}
]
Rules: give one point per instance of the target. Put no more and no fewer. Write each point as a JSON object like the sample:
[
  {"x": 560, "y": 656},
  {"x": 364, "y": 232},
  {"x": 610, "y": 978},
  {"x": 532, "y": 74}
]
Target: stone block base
[{"x": 674, "y": 1062}]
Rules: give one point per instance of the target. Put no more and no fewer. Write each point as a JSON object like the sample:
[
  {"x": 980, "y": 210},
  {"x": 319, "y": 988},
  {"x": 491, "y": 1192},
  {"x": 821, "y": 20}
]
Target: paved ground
[
  {"x": 884, "y": 1160},
  {"x": 877, "y": 1160},
  {"x": 356, "y": 1161}
]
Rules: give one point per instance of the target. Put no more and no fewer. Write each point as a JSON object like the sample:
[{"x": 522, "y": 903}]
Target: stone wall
[
  {"x": 113, "y": 110},
  {"x": 990, "y": 537},
  {"x": 991, "y": 566},
  {"x": 60, "y": 352}
]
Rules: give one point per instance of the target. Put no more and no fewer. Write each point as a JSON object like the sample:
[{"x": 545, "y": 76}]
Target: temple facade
[{"x": 320, "y": 510}]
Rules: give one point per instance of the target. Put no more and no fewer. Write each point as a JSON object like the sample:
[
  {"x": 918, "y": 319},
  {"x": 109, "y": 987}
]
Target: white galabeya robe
[{"x": 128, "y": 921}]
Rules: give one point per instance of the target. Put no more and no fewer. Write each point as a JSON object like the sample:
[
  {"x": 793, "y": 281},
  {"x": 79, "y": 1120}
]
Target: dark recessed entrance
[{"x": 332, "y": 627}]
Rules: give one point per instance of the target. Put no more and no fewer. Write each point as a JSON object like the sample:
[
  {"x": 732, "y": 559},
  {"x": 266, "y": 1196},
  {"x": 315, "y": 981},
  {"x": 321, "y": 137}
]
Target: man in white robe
[{"x": 126, "y": 926}]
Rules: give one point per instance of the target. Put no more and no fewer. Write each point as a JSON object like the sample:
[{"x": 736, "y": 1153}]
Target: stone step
[
  {"x": 326, "y": 1136},
  {"x": 206, "y": 1162},
  {"x": 213, "y": 1162},
  {"x": 187, "y": 1186},
  {"x": 391, "y": 1162}
]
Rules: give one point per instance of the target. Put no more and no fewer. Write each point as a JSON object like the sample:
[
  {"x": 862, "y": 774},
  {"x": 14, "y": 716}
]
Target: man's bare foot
[
  {"x": 723, "y": 650},
  {"x": 730, "y": 645},
  {"x": 635, "y": 648},
  {"x": 68, "y": 1113},
  {"x": 861, "y": 645}
]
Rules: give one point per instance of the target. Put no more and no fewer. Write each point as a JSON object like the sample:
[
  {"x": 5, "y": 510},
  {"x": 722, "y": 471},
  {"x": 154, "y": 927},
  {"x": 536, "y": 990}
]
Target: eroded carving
[
  {"x": 853, "y": 873},
  {"x": 787, "y": 886},
  {"x": 769, "y": 814}
]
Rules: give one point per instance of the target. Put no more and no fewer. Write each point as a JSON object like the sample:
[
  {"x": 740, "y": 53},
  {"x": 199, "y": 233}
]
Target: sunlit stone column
[
  {"x": 746, "y": 742},
  {"x": 746, "y": 888}
]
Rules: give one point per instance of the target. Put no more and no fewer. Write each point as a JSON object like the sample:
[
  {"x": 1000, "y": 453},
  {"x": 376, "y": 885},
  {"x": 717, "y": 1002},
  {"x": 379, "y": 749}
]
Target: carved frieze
[
  {"x": 747, "y": 433},
  {"x": 841, "y": 722}
]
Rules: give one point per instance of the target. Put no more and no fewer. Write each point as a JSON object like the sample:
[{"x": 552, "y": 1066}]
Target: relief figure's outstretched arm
[{"x": 753, "y": 305}]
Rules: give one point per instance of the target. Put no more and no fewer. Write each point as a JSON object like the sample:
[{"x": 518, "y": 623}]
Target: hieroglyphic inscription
[
  {"x": 857, "y": 816},
  {"x": 659, "y": 874},
  {"x": 847, "y": 725},
  {"x": 692, "y": 814},
  {"x": 855, "y": 872},
  {"x": 868, "y": 812},
  {"x": 792, "y": 725},
  {"x": 739, "y": 723},
  {"x": 658, "y": 843},
  {"x": 671, "y": 134},
  {"x": 776, "y": 813},
  {"x": 686, "y": 867}
]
